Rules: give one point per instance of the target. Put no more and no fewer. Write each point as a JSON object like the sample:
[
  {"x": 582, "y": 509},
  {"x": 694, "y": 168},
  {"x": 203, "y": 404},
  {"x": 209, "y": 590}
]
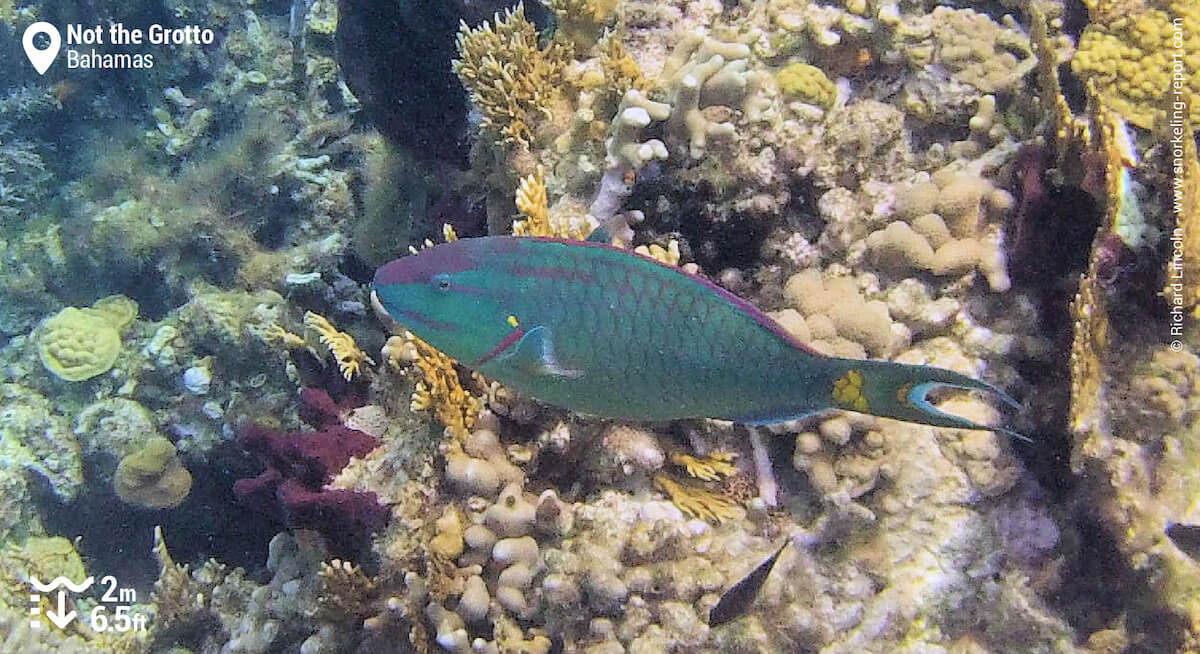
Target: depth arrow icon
[{"x": 61, "y": 619}]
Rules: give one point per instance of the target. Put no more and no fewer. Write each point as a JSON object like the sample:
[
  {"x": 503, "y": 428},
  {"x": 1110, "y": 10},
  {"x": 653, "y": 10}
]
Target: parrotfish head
[{"x": 448, "y": 297}]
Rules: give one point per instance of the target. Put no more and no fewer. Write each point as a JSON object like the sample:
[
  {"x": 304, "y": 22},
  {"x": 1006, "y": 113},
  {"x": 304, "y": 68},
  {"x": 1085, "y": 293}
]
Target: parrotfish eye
[{"x": 442, "y": 282}]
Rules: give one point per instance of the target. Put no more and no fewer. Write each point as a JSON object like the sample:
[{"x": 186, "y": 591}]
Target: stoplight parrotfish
[{"x": 604, "y": 331}]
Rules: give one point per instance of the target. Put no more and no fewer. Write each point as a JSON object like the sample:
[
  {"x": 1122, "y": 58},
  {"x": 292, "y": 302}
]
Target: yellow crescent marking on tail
[{"x": 513, "y": 322}]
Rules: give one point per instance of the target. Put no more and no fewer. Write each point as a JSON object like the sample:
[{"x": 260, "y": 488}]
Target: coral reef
[
  {"x": 880, "y": 176},
  {"x": 33, "y": 439}
]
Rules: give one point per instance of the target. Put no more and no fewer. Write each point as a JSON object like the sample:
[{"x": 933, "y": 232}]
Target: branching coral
[
  {"x": 698, "y": 501},
  {"x": 350, "y": 357},
  {"x": 709, "y": 468},
  {"x": 704, "y": 76},
  {"x": 581, "y": 22},
  {"x": 945, "y": 228},
  {"x": 511, "y": 80},
  {"x": 347, "y": 593},
  {"x": 439, "y": 386}
]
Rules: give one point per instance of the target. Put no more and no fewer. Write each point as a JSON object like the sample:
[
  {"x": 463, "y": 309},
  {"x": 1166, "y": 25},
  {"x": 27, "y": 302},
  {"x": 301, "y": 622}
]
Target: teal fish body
[{"x": 603, "y": 331}]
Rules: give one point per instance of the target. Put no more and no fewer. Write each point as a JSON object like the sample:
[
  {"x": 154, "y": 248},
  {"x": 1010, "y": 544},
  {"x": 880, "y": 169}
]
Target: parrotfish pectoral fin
[
  {"x": 534, "y": 355},
  {"x": 900, "y": 391}
]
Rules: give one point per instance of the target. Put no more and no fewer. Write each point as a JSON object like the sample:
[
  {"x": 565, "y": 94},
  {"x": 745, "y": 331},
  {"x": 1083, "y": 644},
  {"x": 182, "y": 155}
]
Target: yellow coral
[
  {"x": 510, "y": 79},
  {"x": 349, "y": 356},
  {"x": 1088, "y": 312},
  {"x": 581, "y": 21},
  {"x": 621, "y": 71},
  {"x": 153, "y": 477},
  {"x": 1053, "y": 102},
  {"x": 117, "y": 310},
  {"x": 696, "y": 501},
  {"x": 668, "y": 255},
  {"x": 277, "y": 334},
  {"x": 77, "y": 344},
  {"x": 440, "y": 388},
  {"x": 807, "y": 84},
  {"x": 710, "y": 468},
  {"x": 1134, "y": 55},
  {"x": 532, "y": 201},
  {"x": 40, "y": 557}
]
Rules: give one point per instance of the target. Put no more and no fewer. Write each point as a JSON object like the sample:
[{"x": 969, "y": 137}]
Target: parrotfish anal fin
[{"x": 534, "y": 355}]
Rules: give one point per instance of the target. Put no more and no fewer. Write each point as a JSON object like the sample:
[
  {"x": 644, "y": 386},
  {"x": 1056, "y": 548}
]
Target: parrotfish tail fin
[{"x": 900, "y": 390}]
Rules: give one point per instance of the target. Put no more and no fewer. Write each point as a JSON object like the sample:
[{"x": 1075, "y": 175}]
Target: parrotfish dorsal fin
[{"x": 599, "y": 235}]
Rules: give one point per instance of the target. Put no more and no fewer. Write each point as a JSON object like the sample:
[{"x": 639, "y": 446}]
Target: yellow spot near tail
[
  {"x": 848, "y": 392},
  {"x": 513, "y": 322}
]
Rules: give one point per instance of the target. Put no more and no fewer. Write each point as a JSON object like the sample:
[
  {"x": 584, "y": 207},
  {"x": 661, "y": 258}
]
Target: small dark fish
[
  {"x": 1186, "y": 538},
  {"x": 741, "y": 595}
]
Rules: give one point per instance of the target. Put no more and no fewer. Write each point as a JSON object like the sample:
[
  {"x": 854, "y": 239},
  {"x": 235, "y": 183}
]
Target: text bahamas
[{"x": 120, "y": 60}]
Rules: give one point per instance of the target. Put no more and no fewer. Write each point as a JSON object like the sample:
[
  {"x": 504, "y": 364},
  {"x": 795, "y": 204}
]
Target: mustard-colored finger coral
[
  {"x": 1136, "y": 56},
  {"x": 77, "y": 344},
  {"x": 153, "y": 477}
]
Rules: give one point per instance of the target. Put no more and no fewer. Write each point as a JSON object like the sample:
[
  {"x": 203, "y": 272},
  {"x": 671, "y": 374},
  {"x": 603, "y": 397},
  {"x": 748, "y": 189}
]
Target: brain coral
[
  {"x": 1131, "y": 58},
  {"x": 78, "y": 344}
]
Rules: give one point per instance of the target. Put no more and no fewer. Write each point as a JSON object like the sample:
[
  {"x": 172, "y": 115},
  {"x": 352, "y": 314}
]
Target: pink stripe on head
[{"x": 503, "y": 345}]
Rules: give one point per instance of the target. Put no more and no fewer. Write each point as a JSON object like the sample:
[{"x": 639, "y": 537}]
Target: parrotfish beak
[{"x": 382, "y": 313}]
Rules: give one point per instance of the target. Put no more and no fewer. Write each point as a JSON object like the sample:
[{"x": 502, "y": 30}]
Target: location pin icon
[{"x": 41, "y": 59}]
